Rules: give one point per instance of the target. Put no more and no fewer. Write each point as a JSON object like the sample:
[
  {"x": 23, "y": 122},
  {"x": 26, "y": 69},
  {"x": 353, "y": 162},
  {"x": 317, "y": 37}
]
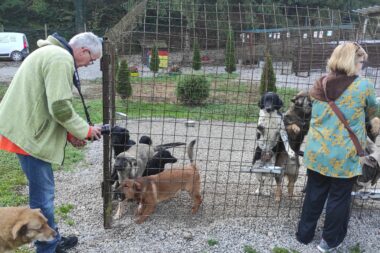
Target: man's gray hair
[{"x": 88, "y": 40}]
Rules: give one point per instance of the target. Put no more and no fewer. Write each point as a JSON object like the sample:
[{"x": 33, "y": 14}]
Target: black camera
[{"x": 106, "y": 129}]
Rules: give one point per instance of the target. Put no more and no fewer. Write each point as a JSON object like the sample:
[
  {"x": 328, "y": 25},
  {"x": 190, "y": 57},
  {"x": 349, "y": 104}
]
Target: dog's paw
[
  {"x": 375, "y": 126},
  {"x": 140, "y": 219},
  {"x": 294, "y": 128},
  {"x": 117, "y": 216}
]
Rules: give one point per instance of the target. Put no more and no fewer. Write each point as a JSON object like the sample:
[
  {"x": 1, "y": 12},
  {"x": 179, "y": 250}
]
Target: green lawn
[{"x": 243, "y": 113}]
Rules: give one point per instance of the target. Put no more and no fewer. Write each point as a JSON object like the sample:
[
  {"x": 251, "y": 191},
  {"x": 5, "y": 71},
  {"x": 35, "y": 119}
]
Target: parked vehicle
[{"x": 13, "y": 45}]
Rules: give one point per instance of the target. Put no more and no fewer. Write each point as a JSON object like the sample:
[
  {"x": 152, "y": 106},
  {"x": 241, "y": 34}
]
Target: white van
[{"x": 13, "y": 45}]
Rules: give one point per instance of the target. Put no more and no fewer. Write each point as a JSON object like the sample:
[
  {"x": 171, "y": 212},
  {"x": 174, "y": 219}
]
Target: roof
[
  {"x": 274, "y": 30},
  {"x": 370, "y": 11},
  {"x": 151, "y": 43}
]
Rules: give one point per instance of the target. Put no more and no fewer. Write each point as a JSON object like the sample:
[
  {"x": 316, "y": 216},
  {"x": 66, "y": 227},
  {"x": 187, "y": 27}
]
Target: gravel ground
[{"x": 231, "y": 214}]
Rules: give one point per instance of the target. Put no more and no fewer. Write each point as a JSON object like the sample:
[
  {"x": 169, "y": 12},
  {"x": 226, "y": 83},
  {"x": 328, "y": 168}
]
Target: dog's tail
[
  {"x": 190, "y": 151},
  {"x": 168, "y": 145}
]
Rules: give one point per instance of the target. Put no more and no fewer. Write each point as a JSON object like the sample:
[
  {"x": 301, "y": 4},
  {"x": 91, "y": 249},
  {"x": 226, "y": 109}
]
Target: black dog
[
  {"x": 158, "y": 161},
  {"x": 270, "y": 101},
  {"x": 120, "y": 140}
]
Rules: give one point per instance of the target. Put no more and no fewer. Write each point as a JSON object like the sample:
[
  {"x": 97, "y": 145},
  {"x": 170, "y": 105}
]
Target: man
[{"x": 37, "y": 118}]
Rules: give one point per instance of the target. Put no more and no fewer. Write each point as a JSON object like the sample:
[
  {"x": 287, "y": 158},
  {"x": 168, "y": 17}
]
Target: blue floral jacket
[{"x": 329, "y": 149}]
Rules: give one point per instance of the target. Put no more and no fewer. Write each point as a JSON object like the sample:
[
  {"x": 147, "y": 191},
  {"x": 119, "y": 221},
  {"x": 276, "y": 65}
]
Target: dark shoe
[{"x": 66, "y": 243}]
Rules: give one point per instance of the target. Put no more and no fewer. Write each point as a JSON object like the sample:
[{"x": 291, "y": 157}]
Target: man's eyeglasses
[{"x": 91, "y": 59}]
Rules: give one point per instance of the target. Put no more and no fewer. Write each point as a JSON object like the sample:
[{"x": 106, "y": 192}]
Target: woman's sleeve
[{"x": 372, "y": 105}]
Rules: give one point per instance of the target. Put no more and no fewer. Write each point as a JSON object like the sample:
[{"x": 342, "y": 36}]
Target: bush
[
  {"x": 193, "y": 90},
  {"x": 268, "y": 77},
  {"x": 123, "y": 82}
]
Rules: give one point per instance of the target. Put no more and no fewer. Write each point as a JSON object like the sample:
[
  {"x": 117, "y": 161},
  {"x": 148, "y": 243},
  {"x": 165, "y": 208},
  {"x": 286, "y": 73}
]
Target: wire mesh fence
[{"x": 224, "y": 121}]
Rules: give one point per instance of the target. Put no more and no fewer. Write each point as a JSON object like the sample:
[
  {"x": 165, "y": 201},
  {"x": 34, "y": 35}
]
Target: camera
[{"x": 106, "y": 129}]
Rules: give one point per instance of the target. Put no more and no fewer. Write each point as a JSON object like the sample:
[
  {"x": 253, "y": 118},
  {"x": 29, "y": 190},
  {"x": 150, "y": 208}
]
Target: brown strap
[{"x": 339, "y": 114}]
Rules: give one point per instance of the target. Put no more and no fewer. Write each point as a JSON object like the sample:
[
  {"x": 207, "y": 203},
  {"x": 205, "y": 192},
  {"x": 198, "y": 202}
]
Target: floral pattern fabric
[{"x": 329, "y": 149}]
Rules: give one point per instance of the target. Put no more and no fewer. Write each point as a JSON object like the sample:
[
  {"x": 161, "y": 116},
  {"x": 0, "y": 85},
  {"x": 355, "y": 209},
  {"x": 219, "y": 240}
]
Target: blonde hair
[{"x": 345, "y": 57}]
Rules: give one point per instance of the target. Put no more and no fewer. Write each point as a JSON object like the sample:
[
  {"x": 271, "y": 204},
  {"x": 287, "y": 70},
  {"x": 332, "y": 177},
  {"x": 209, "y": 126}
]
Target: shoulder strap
[{"x": 339, "y": 114}]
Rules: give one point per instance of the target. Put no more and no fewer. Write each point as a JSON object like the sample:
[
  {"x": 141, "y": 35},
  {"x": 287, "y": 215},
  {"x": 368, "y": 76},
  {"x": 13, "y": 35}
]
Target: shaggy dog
[
  {"x": 151, "y": 190},
  {"x": 270, "y": 129},
  {"x": 21, "y": 225}
]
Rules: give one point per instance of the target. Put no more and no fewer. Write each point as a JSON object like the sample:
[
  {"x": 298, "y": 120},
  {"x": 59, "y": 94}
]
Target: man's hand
[
  {"x": 95, "y": 133},
  {"x": 75, "y": 141}
]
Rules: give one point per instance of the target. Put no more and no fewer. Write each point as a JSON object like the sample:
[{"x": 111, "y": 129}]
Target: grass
[
  {"x": 231, "y": 112},
  {"x": 283, "y": 250},
  {"x": 212, "y": 242},
  {"x": 249, "y": 249},
  {"x": 11, "y": 178},
  {"x": 62, "y": 213}
]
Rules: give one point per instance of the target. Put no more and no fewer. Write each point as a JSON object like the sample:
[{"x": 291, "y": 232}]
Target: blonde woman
[{"x": 330, "y": 156}]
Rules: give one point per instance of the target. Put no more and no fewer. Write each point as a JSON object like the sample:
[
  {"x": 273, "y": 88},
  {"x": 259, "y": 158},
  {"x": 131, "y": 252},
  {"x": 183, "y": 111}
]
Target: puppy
[
  {"x": 120, "y": 140},
  {"x": 158, "y": 161},
  {"x": 151, "y": 190},
  {"x": 297, "y": 120},
  {"x": 121, "y": 134},
  {"x": 132, "y": 164},
  {"x": 297, "y": 123},
  {"x": 270, "y": 130},
  {"x": 22, "y": 225}
]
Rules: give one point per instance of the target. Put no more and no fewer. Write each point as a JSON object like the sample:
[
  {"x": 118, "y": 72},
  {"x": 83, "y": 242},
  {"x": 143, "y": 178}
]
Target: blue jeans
[{"x": 41, "y": 194}]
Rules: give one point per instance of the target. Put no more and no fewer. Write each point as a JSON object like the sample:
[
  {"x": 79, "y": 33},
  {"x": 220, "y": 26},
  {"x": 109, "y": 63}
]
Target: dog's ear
[
  {"x": 20, "y": 229},
  {"x": 260, "y": 104},
  {"x": 279, "y": 104}
]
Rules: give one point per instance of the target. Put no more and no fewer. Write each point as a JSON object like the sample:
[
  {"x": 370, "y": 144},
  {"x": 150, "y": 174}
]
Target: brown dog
[
  {"x": 151, "y": 190},
  {"x": 21, "y": 225}
]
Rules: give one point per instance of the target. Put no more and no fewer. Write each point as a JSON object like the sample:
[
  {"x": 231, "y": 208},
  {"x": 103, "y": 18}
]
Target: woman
[{"x": 330, "y": 156}]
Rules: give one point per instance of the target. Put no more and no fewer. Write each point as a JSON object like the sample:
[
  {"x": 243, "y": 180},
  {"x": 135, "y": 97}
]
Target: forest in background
[{"x": 68, "y": 17}]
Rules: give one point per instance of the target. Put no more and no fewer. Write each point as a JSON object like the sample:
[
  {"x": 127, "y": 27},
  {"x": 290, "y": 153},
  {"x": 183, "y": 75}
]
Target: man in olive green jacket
[{"x": 37, "y": 118}]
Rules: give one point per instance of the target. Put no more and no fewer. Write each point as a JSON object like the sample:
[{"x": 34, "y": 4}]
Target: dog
[
  {"x": 120, "y": 140},
  {"x": 133, "y": 163},
  {"x": 22, "y": 225},
  {"x": 370, "y": 163},
  {"x": 158, "y": 161},
  {"x": 270, "y": 130},
  {"x": 297, "y": 123},
  {"x": 297, "y": 120},
  {"x": 123, "y": 134},
  {"x": 151, "y": 190}
]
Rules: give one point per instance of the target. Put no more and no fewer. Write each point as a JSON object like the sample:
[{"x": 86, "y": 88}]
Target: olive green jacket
[{"x": 36, "y": 112}]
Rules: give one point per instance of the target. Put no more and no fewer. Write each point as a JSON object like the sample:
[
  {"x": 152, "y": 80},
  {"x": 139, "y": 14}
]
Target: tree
[
  {"x": 229, "y": 59},
  {"x": 268, "y": 77},
  {"x": 196, "y": 55},
  {"x": 123, "y": 83},
  {"x": 154, "y": 60}
]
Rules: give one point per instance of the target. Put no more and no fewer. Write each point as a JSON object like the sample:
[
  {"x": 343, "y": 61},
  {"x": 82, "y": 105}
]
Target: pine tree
[
  {"x": 123, "y": 84},
  {"x": 196, "y": 55},
  {"x": 268, "y": 77},
  {"x": 154, "y": 60},
  {"x": 230, "y": 53}
]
